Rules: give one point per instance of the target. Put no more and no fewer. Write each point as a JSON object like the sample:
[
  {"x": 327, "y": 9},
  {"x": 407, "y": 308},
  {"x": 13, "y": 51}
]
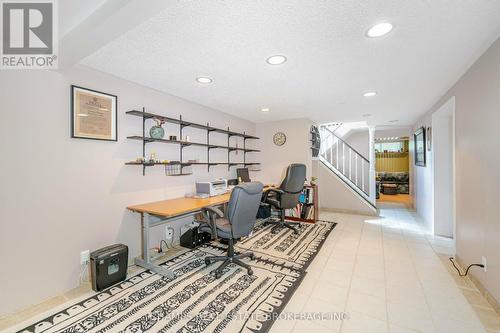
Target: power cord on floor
[
  {"x": 161, "y": 248},
  {"x": 84, "y": 273},
  {"x": 468, "y": 268}
]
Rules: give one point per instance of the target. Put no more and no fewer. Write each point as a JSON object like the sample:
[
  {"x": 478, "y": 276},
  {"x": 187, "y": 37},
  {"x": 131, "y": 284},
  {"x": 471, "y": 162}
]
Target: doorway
[
  {"x": 392, "y": 167},
  {"x": 443, "y": 146}
]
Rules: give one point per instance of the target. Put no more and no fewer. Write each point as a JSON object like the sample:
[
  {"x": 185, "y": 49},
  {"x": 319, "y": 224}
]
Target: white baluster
[
  {"x": 331, "y": 154},
  {"x": 343, "y": 157},
  {"x": 350, "y": 164},
  {"x": 337, "y": 160},
  {"x": 356, "y": 169},
  {"x": 363, "y": 175}
]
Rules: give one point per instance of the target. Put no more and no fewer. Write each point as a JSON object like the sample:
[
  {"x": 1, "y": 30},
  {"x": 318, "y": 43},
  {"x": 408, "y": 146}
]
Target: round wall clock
[{"x": 279, "y": 139}]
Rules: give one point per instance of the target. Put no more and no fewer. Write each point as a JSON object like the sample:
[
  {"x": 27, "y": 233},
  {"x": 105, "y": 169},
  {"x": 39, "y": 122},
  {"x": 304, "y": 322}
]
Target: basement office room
[{"x": 249, "y": 166}]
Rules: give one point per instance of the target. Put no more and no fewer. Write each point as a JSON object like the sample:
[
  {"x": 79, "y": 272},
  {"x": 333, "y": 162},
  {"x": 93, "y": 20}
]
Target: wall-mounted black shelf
[
  {"x": 152, "y": 163},
  {"x": 167, "y": 165},
  {"x": 189, "y": 143},
  {"x": 183, "y": 144},
  {"x": 315, "y": 141},
  {"x": 184, "y": 123}
]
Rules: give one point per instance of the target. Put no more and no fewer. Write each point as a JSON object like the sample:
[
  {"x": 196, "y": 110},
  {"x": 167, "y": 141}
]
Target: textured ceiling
[{"x": 330, "y": 61}]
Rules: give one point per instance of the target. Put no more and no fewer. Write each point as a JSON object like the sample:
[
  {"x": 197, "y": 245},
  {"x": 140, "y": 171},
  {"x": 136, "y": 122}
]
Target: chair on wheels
[
  {"x": 241, "y": 215},
  {"x": 287, "y": 195}
]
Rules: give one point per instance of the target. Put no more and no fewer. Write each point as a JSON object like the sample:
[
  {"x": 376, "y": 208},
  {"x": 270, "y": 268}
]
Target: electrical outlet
[
  {"x": 169, "y": 233},
  {"x": 84, "y": 257},
  {"x": 483, "y": 261}
]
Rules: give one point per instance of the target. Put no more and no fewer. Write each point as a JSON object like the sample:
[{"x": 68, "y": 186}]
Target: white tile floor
[{"x": 386, "y": 273}]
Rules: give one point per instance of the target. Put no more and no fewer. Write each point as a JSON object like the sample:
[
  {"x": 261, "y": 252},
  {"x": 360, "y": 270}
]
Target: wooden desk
[
  {"x": 161, "y": 212},
  {"x": 179, "y": 206}
]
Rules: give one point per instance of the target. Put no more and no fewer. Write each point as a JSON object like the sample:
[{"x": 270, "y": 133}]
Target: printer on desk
[{"x": 212, "y": 188}]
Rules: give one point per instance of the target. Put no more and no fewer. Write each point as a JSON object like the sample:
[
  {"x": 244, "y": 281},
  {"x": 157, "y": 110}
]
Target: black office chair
[
  {"x": 287, "y": 195},
  {"x": 243, "y": 174},
  {"x": 241, "y": 215}
]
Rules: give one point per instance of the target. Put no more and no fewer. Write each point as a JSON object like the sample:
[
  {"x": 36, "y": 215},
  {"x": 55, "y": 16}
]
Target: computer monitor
[{"x": 243, "y": 174}]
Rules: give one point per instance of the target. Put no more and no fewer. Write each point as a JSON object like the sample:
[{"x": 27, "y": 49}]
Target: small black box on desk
[{"x": 108, "y": 266}]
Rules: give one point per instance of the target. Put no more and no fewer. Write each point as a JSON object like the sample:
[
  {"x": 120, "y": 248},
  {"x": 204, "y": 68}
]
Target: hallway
[
  {"x": 389, "y": 275},
  {"x": 385, "y": 200}
]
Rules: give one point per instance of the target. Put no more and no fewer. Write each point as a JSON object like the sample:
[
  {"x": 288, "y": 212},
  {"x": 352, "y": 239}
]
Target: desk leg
[
  {"x": 145, "y": 261},
  {"x": 146, "y": 255}
]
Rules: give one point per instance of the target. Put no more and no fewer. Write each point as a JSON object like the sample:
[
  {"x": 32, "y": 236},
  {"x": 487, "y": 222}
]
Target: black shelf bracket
[
  {"x": 143, "y": 140},
  {"x": 208, "y": 147},
  {"x": 181, "y": 146},
  {"x": 183, "y": 123},
  {"x": 228, "y": 150}
]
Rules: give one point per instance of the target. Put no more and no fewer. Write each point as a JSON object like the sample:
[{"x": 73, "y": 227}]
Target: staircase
[
  {"x": 346, "y": 163},
  {"x": 332, "y": 126}
]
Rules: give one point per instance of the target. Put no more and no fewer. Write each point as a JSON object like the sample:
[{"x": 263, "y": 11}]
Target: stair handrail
[{"x": 343, "y": 141}]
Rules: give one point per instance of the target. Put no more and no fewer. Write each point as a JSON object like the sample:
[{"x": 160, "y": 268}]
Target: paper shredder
[{"x": 108, "y": 266}]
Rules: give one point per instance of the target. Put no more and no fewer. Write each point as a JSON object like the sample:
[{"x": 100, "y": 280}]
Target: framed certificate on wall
[{"x": 93, "y": 114}]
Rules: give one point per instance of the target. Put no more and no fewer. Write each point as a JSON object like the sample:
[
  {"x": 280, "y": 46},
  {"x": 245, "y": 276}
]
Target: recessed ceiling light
[
  {"x": 379, "y": 29},
  {"x": 264, "y": 109},
  {"x": 204, "y": 79},
  {"x": 276, "y": 60},
  {"x": 366, "y": 115},
  {"x": 370, "y": 93}
]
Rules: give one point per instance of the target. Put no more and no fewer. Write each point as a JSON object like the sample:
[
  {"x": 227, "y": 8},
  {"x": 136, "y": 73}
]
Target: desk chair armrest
[
  {"x": 274, "y": 190},
  {"x": 211, "y": 214},
  {"x": 213, "y": 211}
]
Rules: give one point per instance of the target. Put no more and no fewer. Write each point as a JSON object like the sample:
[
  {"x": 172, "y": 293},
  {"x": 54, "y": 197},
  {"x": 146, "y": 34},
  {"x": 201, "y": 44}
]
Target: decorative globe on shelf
[{"x": 157, "y": 131}]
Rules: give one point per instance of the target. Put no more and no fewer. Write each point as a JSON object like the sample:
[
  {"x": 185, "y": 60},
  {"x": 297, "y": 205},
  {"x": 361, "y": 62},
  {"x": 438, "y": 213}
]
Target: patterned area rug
[
  {"x": 283, "y": 246},
  {"x": 194, "y": 301}
]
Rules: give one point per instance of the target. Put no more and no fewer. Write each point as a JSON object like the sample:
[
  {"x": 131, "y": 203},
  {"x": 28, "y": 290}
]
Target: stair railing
[{"x": 343, "y": 159}]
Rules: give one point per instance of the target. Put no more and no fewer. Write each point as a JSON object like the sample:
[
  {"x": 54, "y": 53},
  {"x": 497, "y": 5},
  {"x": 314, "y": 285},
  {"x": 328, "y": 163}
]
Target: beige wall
[
  {"x": 297, "y": 148},
  {"x": 360, "y": 141},
  {"x": 477, "y": 159},
  {"x": 60, "y": 196}
]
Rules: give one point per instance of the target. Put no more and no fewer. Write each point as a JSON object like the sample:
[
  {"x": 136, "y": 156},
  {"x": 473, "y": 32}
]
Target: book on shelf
[{"x": 305, "y": 208}]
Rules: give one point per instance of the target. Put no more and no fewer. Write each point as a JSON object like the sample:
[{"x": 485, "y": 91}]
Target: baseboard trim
[
  {"x": 482, "y": 289},
  {"x": 349, "y": 211}
]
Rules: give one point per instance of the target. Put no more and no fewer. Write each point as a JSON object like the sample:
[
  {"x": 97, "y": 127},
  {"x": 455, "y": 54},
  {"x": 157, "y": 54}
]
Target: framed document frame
[
  {"x": 93, "y": 114},
  {"x": 419, "y": 146}
]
